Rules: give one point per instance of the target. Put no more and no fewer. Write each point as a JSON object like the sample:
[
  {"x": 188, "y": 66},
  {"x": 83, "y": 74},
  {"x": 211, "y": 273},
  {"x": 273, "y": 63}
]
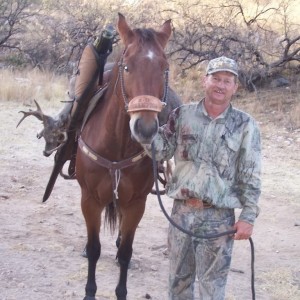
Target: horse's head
[{"x": 143, "y": 75}]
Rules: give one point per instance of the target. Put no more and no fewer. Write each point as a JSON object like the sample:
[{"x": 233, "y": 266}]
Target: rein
[{"x": 190, "y": 233}]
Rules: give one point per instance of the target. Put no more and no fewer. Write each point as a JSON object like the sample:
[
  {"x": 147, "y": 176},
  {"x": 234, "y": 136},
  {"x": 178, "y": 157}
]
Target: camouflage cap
[{"x": 222, "y": 64}]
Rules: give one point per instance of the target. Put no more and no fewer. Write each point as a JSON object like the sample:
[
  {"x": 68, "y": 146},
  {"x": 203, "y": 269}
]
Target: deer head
[{"x": 54, "y": 131}]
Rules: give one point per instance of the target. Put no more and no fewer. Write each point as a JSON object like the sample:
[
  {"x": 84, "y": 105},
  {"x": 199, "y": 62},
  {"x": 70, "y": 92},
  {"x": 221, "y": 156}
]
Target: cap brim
[{"x": 223, "y": 70}]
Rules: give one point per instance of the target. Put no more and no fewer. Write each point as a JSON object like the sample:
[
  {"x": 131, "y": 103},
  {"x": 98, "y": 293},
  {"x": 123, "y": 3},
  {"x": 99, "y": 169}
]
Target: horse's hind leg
[
  {"x": 118, "y": 240},
  {"x": 92, "y": 214},
  {"x": 130, "y": 220}
]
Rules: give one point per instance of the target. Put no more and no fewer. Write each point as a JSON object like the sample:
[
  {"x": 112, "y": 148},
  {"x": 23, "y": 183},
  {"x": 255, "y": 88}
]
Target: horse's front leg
[
  {"x": 130, "y": 220},
  {"x": 93, "y": 249},
  {"x": 124, "y": 256},
  {"x": 92, "y": 215}
]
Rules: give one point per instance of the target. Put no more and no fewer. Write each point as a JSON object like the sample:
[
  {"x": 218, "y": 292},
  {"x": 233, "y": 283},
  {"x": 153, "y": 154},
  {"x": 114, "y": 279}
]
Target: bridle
[{"x": 122, "y": 67}]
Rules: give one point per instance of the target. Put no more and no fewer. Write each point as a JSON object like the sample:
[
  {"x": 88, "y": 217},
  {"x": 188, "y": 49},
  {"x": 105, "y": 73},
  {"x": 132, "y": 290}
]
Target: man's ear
[{"x": 236, "y": 87}]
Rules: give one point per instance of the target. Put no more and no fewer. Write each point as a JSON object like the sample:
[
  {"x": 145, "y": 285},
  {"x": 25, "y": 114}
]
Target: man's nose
[{"x": 221, "y": 84}]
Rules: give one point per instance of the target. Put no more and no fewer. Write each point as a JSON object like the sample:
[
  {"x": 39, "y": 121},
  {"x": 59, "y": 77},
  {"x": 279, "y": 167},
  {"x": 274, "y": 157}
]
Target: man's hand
[{"x": 243, "y": 230}]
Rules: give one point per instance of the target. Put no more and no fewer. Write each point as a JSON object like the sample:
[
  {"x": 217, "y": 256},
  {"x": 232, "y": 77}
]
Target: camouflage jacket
[{"x": 217, "y": 160}]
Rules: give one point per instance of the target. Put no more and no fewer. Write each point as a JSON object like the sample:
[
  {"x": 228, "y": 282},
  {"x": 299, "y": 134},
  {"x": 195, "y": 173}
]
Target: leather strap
[
  {"x": 114, "y": 167},
  {"x": 196, "y": 203}
]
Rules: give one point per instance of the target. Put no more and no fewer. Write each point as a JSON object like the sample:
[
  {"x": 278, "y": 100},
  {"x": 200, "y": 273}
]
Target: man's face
[{"x": 220, "y": 87}]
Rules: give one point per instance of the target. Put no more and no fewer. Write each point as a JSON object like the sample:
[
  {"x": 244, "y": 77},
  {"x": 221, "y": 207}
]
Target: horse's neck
[{"x": 108, "y": 132}]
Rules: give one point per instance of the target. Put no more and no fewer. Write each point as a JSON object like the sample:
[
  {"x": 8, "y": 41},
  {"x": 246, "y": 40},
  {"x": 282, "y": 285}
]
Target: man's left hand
[{"x": 243, "y": 230}]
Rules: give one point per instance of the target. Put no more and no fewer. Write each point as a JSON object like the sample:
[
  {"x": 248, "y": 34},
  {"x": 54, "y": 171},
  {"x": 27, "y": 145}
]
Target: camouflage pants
[{"x": 208, "y": 259}]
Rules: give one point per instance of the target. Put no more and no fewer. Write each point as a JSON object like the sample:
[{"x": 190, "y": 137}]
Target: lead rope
[{"x": 208, "y": 236}]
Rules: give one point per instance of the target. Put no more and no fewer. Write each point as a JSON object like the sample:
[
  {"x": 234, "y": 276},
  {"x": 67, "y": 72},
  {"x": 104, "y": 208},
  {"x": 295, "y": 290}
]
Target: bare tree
[
  {"x": 15, "y": 15},
  {"x": 262, "y": 35},
  {"x": 245, "y": 33},
  {"x": 62, "y": 31},
  {"x": 65, "y": 27},
  {"x": 12, "y": 13}
]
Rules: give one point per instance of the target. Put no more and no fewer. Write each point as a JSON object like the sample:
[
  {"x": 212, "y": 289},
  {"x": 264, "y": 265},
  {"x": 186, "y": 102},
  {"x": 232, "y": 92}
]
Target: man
[{"x": 217, "y": 152}]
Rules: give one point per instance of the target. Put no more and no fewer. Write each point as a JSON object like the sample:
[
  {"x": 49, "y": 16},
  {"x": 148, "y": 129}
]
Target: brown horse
[{"x": 112, "y": 168}]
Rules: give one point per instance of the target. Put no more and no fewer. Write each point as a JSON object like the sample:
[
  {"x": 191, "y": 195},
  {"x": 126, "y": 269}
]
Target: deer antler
[{"x": 37, "y": 113}]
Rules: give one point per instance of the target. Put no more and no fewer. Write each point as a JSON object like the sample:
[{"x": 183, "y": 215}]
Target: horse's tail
[{"x": 111, "y": 216}]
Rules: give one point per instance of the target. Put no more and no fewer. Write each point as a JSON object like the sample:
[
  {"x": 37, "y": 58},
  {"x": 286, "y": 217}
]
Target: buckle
[{"x": 197, "y": 203}]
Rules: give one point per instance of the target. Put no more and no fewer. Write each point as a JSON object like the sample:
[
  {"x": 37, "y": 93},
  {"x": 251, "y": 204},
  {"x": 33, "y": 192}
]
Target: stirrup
[{"x": 72, "y": 165}]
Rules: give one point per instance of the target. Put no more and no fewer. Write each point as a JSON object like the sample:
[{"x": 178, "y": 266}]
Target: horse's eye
[{"x": 125, "y": 68}]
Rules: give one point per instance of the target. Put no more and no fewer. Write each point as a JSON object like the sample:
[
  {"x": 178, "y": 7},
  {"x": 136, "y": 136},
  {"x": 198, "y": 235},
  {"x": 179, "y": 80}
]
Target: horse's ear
[
  {"x": 124, "y": 30},
  {"x": 164, "y": 33}
]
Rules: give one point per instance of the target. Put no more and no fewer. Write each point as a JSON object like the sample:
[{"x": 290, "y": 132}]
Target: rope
[
  {"x": 208, "y": 236},
  {"x": 117, "y": 180}
]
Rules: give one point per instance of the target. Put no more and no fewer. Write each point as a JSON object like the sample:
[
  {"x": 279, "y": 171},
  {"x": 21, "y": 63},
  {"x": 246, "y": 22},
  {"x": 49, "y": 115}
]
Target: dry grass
[
  {"x": 280, "y": 106},
  {"x": 24, "y": 86}
]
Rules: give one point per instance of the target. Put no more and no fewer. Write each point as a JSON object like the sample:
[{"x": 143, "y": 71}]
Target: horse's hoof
[
  {"x": 89, "y": 298},
  {"x": 84, "y": 254}
]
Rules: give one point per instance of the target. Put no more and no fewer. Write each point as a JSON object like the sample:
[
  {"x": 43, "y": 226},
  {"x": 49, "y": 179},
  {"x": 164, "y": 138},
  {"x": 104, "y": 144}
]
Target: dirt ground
[{"x": 41, "y": 243}]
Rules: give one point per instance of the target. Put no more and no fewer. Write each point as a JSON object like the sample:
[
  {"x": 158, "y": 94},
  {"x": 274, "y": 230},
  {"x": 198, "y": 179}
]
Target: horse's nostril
[{"x": 139, "y": 127}]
